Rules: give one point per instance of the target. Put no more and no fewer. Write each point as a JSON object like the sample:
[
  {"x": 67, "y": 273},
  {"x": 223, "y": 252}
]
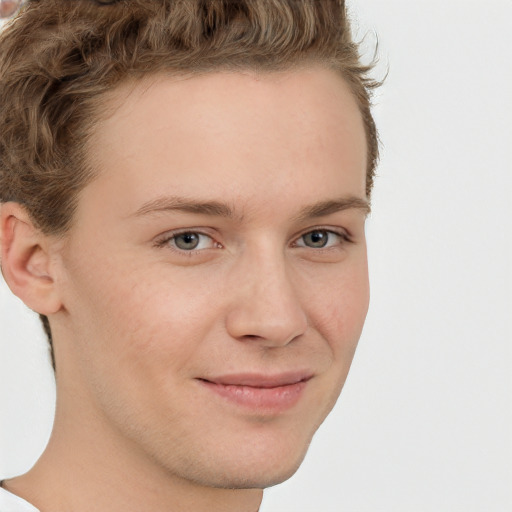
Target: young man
[{"x": 184, "y": 188}]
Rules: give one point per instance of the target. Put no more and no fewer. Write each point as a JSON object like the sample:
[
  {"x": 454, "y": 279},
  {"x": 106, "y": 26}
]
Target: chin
[
  {"x": 268, "y": 479},
  {"x": 252, "y": 470},
  {"x": 251, "y": 478}
]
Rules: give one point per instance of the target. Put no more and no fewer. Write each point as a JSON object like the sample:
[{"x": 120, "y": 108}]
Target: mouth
[{"x": 267, "y": 393}]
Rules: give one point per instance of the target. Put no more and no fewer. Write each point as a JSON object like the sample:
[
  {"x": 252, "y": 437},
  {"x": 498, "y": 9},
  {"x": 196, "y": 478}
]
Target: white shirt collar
[{"x": 11, "y": 503}]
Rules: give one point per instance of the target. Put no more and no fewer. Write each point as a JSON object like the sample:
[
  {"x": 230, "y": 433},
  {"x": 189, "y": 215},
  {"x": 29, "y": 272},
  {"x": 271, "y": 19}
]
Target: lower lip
[{"x": 275, "y": 399}]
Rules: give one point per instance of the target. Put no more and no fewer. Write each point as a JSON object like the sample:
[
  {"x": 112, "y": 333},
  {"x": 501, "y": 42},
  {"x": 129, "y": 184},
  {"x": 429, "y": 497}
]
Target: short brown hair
[{"x": 58, "y": 58}]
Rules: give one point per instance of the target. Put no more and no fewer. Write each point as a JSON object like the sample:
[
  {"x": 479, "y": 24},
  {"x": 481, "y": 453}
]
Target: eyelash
[
  {"x": 169, "y": 237},
  {"x": 343, "y": 236}
]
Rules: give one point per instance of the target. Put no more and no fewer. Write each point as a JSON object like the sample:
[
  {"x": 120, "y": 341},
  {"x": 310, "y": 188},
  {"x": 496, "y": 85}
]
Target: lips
[
  {"x": 261, "y": 381},
  {"x": 265, "y": 393}
]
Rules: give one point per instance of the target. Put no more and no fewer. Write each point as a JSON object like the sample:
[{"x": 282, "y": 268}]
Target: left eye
[
  {"x": 319, "y": 239},
  {"x": 191, "y": 241}
]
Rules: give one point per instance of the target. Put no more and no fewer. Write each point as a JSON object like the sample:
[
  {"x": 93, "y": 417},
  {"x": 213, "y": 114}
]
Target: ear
[{"x": 26, "y": 262}]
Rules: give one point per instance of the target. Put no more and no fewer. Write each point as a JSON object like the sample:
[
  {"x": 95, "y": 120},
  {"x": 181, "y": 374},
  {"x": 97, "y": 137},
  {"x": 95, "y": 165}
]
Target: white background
[{"x": 424, "y": 423}]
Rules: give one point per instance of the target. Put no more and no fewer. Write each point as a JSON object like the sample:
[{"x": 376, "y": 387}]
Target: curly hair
[{"x": 59, "y": 58}]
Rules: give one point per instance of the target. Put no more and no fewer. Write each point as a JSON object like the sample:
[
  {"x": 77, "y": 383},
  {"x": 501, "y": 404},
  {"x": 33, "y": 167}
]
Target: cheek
[
  {"x": 339, "y": 314},
  {"x": 138, "y": 335},
  {"x": 152, "y": 322},
  {"x": 340, "y": 311}
]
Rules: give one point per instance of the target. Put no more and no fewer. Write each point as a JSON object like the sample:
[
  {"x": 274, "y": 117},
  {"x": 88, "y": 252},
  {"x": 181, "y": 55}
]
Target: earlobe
[{"x": 26, "y": 260}]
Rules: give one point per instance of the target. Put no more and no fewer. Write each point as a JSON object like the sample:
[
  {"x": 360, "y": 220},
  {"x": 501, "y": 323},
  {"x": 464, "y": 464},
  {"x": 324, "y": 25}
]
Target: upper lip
[{"x": 258, "y": 380}]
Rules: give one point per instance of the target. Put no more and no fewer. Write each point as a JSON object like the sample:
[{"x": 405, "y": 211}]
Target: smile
[{"x": 272, "y": 394}]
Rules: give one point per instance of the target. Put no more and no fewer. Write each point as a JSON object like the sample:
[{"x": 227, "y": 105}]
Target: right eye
[{"x": 188, "y": 241}]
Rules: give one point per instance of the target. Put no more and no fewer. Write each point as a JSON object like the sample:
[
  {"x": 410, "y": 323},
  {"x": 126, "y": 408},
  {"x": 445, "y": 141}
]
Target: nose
[{"x": 266, "y": 307}]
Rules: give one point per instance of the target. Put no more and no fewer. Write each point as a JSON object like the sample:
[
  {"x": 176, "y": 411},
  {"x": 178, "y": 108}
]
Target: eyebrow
[
  {"x": 329, "y": 207},
  {"x": 174, "y": 203},
  {"x": 220, "y": 209}
]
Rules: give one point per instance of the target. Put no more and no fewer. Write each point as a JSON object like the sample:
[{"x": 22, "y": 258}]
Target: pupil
[
  {"x": 316, "y": 239},
  {"x": 187, "y": 241}
]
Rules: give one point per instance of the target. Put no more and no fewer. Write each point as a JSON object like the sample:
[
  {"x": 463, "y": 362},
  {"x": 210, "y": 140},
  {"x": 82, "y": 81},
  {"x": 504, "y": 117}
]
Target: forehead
[{"x": 230, "y": 134}]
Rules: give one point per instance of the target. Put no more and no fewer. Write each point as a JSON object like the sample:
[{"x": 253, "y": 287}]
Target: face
[{"x": 214, "y": 283}]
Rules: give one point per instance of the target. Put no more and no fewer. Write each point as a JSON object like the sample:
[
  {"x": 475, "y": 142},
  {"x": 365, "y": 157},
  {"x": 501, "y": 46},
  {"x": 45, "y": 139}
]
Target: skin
[
  {"x": 8, "y": 7},
  {"x": 139, "y": 323}
]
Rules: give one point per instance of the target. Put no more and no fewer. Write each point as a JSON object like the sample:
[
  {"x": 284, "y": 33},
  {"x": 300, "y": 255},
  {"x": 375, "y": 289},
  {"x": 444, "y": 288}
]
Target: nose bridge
[{"x": 266, "y": 305}]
